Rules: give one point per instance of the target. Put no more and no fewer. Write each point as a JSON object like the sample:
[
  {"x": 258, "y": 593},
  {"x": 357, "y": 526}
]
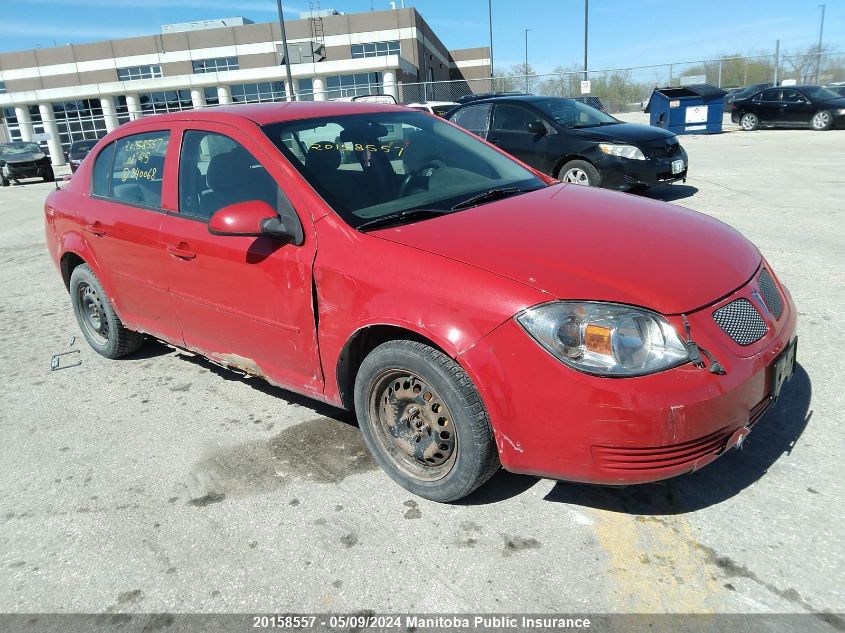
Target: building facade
[{"x": 82, "y": 91}]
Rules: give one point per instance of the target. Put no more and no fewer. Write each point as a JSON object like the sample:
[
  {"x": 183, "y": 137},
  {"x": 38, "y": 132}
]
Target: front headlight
[
  {"x": 606, "y": 339},
  {"x": 625, "y": 151}
]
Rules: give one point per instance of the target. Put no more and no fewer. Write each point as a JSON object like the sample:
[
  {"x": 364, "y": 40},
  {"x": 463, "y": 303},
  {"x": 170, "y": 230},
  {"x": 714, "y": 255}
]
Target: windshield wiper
[
  {"x": 490, "y": 195},
  {"x": 401, "y": 216}
]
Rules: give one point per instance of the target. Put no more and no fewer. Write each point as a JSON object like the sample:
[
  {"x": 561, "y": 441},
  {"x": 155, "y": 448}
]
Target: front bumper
[
  {"x": 552, "y": 421},
  {"x": 624, "y": 173},
  {"x": 25, "y": 170}
]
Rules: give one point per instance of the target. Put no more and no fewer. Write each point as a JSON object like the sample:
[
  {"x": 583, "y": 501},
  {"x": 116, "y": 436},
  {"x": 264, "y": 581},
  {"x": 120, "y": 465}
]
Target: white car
[{"x": 440, "y": 108}]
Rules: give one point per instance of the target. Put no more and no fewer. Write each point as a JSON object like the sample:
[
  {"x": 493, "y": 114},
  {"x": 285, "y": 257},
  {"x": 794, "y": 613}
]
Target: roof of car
[
  {"x": 515, "y": 97},
  {"x": 264, "y": 113}
]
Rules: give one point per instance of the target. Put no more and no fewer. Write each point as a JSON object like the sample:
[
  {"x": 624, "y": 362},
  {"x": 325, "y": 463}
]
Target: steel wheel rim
[
  {"x": 748, "y": 121},
  {"x": 576, "y": 176},
  {"x": 821, "y": 119},
  {"x": 92, "y": 313},
  {"x": 413, "y": 425}
]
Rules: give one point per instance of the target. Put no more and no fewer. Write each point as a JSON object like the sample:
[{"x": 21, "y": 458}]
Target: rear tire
[
  {"x": 821, "y": 121},
  {"x": 49, "y": 176},
  {"x": 580, "y": 172},
  {"x": 423, "y": 421},
  {"x": 749, "y": 122},
  {"x": 100, "y": 325}
]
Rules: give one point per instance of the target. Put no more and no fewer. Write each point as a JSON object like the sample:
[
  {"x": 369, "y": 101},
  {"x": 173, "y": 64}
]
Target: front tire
[
  {"x": 821, "y": 121},
  {"x": 749, "y": 122},
  {"x": 580, "y": 172},
  {"x": 423, "y": 421},
  {"x": 100, "y": 325}
]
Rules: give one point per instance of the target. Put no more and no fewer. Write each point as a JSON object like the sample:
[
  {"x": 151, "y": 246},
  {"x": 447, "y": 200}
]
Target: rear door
[
  {"x": 121, "y": 222},
  {"x": 243, "y": 301},
  {"x": 509, "y": 130},
  {"x": 769, "y": 106}
]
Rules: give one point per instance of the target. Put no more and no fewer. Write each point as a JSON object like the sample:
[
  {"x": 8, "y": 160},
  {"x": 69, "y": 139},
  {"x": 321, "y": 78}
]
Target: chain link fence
[{"x": 626, "y": 89}]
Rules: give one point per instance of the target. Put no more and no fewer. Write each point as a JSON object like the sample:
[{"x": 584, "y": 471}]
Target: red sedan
[{"x": 472, "y": 311}]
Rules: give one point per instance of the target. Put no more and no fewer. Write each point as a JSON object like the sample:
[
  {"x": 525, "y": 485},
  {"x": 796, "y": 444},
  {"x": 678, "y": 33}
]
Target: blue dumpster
[{"x": 695, "y": 109}]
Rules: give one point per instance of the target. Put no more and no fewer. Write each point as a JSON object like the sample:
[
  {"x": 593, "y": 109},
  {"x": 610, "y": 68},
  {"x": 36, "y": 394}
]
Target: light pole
[
  {"x": 291, "y": 90},
  {"x": 490, "y": 23},
  {"x": 586, "y": 28},
  {"x": 526, "y": 60},
  {"x": 819, "y": 61}
]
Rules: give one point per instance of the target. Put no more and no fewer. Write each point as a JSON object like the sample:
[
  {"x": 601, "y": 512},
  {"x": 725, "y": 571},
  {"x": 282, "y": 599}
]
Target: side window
[
  {"x": 475, "y": 118},
  {"x": 102, "y": 171},
  {"x": 512, "y": 118},
  {"x": 770, "y": 95},
  {"x": 216, "y": 171},
  {"x": 792, "y": 96},
  {"x": 139, "y": 168}
]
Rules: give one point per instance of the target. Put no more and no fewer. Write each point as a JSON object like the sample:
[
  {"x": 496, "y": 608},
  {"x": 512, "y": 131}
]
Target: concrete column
[
  {"x": 224, "y": 95},
  {"x": 197, "y": 98},
  {"x": 25, "y": 122},
  {"x": 109, "y": 113},
  {"x": 133, "y": 104},
  {"x": 54, "y": 143},
  {"x": 319, "y": 89},
  {"x": 388, "y": 80}
]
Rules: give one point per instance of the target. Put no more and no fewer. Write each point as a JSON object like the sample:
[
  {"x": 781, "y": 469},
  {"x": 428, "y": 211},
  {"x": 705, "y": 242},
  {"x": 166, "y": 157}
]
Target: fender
[{"x": 73, "y": 242}]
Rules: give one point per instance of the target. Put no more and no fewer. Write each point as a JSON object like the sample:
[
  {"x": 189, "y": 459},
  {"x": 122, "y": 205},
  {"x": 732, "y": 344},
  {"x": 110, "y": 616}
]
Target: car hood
[
  {"x": 22, "y": 158},
  {"x": 625, "y": 133},
  {"x": 576, "y": 242}
]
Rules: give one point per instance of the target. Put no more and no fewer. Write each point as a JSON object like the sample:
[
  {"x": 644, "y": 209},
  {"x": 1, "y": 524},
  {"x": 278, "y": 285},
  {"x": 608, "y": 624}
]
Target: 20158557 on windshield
[{"x": 386, "y": 261}]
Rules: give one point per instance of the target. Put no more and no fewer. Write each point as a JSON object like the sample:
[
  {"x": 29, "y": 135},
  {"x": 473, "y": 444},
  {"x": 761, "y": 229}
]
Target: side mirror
[
  {"x": 254, "y": 218},
  {"x": 536, "y": 127}
]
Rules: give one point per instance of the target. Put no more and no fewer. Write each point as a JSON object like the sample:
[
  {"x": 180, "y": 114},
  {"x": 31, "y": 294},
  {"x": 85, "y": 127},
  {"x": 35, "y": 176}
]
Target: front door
[
  {"x": 243, "y": 301},
  {"x": 510, "y": 132},
  {"x": 797, "y": 108}
]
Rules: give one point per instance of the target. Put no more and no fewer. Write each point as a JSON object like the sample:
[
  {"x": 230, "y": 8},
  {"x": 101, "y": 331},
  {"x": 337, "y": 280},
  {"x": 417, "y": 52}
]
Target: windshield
[
  {"x": 11, "y": 149},
  {"x": 82, "y": 146},
  {"x": 573, "y": 114},
  {"x": 367, "y": 166},
  {"x": 819, "y": 94}
]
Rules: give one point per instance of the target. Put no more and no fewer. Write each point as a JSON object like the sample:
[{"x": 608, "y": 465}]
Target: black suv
[{"x": 574, "y": 142}]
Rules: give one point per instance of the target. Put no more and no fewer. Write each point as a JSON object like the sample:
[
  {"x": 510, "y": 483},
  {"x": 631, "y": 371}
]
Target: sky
[{"x": 622, "y": 33}]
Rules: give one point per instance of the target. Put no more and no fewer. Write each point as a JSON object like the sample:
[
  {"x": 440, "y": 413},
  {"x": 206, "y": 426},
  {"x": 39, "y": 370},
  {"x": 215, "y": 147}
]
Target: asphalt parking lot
[{"x": 162, "y": 483}]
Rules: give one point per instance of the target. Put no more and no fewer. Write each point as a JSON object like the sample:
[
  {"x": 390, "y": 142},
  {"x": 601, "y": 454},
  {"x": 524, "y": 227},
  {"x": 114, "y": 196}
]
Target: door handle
[
  {"x": 95, "y": 229},
  {"x": 180, "y": 252},
  {"x": 495, "y": 140}
]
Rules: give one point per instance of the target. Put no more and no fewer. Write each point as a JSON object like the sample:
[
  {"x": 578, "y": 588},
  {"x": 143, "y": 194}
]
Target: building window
[
  {"x": 13, "y": 128},
  {"x": 260, "y": 92},
  {"x": 79, "y": 120},
  {"x": 217, "y": 64},
  {"x": 306, "y": 89},
  {"x": 167, "y": 101},
  {"x": 211, "y": 96},
  {"x": 353, "y": 85},
  {"x": 2, "y": 87},
  {"x": 138, "y": 72},
  {"x": 375, "y": 49}
]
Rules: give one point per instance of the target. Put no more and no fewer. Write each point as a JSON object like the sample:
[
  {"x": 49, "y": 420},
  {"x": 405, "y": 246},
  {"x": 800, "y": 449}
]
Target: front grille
[
  {"x": 741, "y": 321},
  {"x": 664, "y": 149},
  {"x": 770, "y": 293}
]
